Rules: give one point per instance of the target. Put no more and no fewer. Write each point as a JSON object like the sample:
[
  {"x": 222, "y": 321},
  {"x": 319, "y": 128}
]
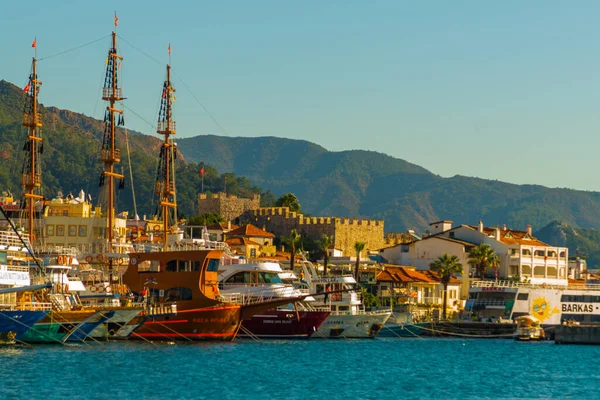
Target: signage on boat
[
  {"x": 493, "y": 289},
  {"x": 209, "y": 320},
  {"x": 14, "y": 278},
  {"x": 580, "y": 308}
]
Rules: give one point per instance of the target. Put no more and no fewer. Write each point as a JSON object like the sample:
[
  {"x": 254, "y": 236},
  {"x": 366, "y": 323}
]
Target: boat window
[
  {"x": 213, "y": 265},
  {"x": 240, "y": 277},
  {"x": 3, "y": 257},
  {"x": 171, "y": 266},
  {"x": 183, "y": 266},
  {"x": 178, "y": 293},
  {"x": 522, "y": 296},
  {"x": 196, "y": 265},
  {"x": 320, "y": 288},
  {"x": 269, "y": 277}
]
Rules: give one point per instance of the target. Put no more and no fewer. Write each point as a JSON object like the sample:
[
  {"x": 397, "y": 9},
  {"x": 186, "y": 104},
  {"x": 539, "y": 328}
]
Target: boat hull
[
  {"x": 121, "y": 325},
  {"x": 359, "y": 326},
  {"x": 403, "y": 330},
  {"x": 14, "y": 324},
  {"x": 211, "y": 323},
  {"x": 283, "y": 324},
  {"x": 65, "y": 326}
]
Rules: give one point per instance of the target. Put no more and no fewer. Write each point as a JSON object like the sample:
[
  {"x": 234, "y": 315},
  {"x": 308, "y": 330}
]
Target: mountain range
[{"x": 354, "y": 183}]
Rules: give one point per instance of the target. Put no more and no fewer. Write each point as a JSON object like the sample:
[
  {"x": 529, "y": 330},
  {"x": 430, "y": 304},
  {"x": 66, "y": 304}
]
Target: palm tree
[
  {"x": 359, "y": 247},
  {"x": 293, "y": 241},
  {"x": 483, "y": 257},
  {"x": 324, "y": 244},
  {"x": 446, "y": 266}
]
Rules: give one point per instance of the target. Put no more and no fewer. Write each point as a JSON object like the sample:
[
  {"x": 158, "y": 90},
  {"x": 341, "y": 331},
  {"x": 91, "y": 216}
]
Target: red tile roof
[
  {"x": 250, "y": 231},
  {"x": 403, "y": 274},
  {"x": 514, "y": 237},
  {"x": 240, "y": 241}
]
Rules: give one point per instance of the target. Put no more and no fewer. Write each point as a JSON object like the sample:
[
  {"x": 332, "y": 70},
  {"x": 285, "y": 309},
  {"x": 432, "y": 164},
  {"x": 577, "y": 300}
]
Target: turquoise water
[{"x": 310, "y": 369}]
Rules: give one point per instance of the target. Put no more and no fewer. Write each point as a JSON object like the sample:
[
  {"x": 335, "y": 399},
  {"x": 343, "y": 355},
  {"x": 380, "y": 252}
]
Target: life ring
[
  {"x": 93, "y": 289},
  {"x": 89, "y": 259},
  {"x": 100, "y": 257},
  {"x": 156, "y": 228},
  {"x": 107, "y": 289},
  {"x": 61, "y": 260},
  {"x": 544, "y": 285},
  {"x": 101, "y": 289}
]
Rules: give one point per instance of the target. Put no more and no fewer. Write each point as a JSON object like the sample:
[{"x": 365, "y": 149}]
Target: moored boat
[{"x": 261, "y": 281}]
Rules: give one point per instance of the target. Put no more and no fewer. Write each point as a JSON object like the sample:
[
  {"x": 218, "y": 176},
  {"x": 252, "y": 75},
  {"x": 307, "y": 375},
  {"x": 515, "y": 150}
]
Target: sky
[{"x": 498, "y": 90}]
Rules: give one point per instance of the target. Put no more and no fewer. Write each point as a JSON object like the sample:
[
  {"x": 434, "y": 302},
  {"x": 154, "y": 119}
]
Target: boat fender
[
  {"x": 66, "y": 287},
  {"x": 61, "y": 260},
  {"x": 89, "y": 259}
]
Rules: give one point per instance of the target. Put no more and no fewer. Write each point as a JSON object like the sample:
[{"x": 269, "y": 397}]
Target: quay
[{"x": 577, "y": 334}]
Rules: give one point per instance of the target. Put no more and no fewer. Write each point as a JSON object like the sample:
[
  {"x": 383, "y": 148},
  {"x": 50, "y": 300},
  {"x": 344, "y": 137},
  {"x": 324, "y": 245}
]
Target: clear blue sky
[{"x": 500, "y": 90}]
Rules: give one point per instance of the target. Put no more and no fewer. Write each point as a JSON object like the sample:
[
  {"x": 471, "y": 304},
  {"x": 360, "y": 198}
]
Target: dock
[{"x": 577, "y": 334}]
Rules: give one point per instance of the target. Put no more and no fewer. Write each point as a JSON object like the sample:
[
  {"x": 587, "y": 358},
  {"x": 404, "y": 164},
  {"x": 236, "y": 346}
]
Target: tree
[
  {"x": 206, "y": 219},
  {"x": 483, "y": 257},
  {"x": 446, "y": 266},
  {"x": 324, "y": 244},
  {"x": 293, "y": 241},
  {"x": 359, "y": 247},
  {"x": 288, "y": 200}
]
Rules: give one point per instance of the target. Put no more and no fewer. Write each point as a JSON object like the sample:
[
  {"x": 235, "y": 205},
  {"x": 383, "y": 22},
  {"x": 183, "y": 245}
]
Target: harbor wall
[
  {"x": 577, "y": 334},
  {"x": 229, "y": 206}
]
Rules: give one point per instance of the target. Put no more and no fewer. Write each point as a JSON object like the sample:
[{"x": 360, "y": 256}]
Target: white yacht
[{"x": 348, "y": 318}]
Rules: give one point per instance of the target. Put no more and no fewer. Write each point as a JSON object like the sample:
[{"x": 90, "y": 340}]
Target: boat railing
[
  {"x": 245, "y": 299},
  {"x": 490, "y": 302},
  {"x": 26, "y": 306},
  {"x": 160, "y": 309},
  {"x": 14, "y": 268},
  {"x": 504, "y": 284}
]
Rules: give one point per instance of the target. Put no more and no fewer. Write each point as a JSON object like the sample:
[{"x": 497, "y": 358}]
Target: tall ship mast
[
  {"x": 31, "y": 173},
  {"x": 110, "y": 154},
  {"x": 165, "y": 179}
]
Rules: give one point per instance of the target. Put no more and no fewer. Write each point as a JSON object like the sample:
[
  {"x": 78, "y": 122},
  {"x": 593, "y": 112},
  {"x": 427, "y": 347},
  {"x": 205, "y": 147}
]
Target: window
[
  {"x": 171, "y": 266},
  {"x": 551, "y": 253},
  {"x": 253, "y": 252},
  {"x": 269, "y": 277},
  {"x": 514, "y": 252},
  {"x": 552, "y": 272},
  {"x": 65, "y": 213},
  {"x": 50, "y": 230},
  {"x": 451, "y": 234},
  {"x": 563, "y": 254},
  {"x": 540, "y": 253},
  {"x": 82, "y": 230},
  {"x": 213, "y": 265},
  {"x": 526, "y": 270},
  {"x": 72, "y": 230},
  {"x": 526, "y": 252},
  {"x": 513, "y": 270},
  {"x": 178, "y": 293},
  {"x": 522, "y": 296},
  {"x": 539, "y": 271},
  {"x": 60, "y": 230},
  {"x": 196, "y": 265}
]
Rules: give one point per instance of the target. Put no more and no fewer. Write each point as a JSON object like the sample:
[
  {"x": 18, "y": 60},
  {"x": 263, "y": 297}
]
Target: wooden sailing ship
[{"x": 185, "y": 276}]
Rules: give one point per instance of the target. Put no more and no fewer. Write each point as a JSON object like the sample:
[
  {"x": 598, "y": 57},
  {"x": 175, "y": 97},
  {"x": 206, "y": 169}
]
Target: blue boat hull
[{"x": 17, "y": 323}]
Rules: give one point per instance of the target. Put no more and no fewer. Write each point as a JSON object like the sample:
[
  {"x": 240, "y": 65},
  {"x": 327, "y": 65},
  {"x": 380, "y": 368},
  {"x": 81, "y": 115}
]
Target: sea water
[{"x": 304, "y": 369}]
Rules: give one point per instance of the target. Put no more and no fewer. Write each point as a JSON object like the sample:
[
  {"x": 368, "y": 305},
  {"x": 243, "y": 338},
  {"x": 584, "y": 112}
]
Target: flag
[
  {"x": 116, "y": 20},
  {"x": 26, "y": 88},
  {"x": 34, "y": 43},
  {"x": 164, "y": 94},
  {"x": 201, "y": 169},
  {"x": 169, "y": 48}
]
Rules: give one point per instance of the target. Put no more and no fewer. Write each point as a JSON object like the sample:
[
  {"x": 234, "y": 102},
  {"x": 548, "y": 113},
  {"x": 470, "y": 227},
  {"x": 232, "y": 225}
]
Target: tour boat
[
  {"x": 262, "y": 281},
  {"x": 529, "y": 329},
  {"x": 189, "y": 279}
]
